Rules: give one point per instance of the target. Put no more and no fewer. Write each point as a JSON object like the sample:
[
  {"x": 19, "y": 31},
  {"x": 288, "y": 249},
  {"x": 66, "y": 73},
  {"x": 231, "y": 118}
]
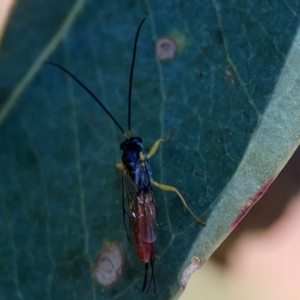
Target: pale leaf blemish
[
  {"x": 251, "y": 202},
  {"x": 109, "y": 265},
  {"x": 165, "y": 48},
  {"x": 196, "y": 264},
  {"x": 230, "y": 73},
  {"x": 195, "y": 260}
]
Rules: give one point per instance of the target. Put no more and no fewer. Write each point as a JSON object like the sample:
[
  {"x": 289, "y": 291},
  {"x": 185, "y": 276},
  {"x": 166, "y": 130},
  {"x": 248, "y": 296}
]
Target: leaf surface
[{"x": 229, "y": 99}]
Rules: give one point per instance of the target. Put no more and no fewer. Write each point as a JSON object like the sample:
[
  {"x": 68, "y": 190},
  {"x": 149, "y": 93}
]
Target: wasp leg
[
  {"x": 156, "y": 145},
  {"x": 173, "y": 189}
]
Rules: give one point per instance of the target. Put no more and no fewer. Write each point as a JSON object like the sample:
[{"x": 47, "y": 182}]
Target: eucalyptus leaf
[{"x": 229, "y": 100}]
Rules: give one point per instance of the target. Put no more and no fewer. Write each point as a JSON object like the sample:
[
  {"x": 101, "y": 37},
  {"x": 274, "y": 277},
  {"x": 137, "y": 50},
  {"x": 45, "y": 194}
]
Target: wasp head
[{"x": 133, "y": 143}]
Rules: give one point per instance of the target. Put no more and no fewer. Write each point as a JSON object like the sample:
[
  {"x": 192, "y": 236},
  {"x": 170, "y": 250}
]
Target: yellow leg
[
  {"x": 173, "y": 189},
  {"x": 155, "y": 146}
]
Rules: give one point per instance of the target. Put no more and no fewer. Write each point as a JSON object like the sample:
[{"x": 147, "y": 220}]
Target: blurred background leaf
[{"x": 61, "y": 197}]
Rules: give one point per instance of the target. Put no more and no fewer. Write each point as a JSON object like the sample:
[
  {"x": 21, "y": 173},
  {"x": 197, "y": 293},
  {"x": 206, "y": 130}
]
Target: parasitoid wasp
[{"x": 139, "y": 208}]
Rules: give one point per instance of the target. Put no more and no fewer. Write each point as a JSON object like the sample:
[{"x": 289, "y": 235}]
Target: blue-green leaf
[{"x": 229, "y": 99}]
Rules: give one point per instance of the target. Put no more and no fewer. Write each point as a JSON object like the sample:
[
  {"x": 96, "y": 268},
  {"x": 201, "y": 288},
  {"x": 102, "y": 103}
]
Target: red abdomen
[
  {"x": 144, "y": 250},
  {"x": 144, "y": 223}
]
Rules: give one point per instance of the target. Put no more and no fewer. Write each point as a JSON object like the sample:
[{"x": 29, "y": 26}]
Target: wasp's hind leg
[
  {"x": 156, "y": 145},
  {"x": 173, "y": 189}
]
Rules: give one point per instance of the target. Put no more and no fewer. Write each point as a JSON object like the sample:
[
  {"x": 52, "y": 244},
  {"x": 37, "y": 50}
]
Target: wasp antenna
[
  {"x": 88, "y": 91},
  {"x": 131, "y": 74}
]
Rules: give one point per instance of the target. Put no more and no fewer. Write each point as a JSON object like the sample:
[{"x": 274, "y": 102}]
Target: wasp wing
[
  {"x": 144, "y": 211},
  {"x": 129, "y": 191}
]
